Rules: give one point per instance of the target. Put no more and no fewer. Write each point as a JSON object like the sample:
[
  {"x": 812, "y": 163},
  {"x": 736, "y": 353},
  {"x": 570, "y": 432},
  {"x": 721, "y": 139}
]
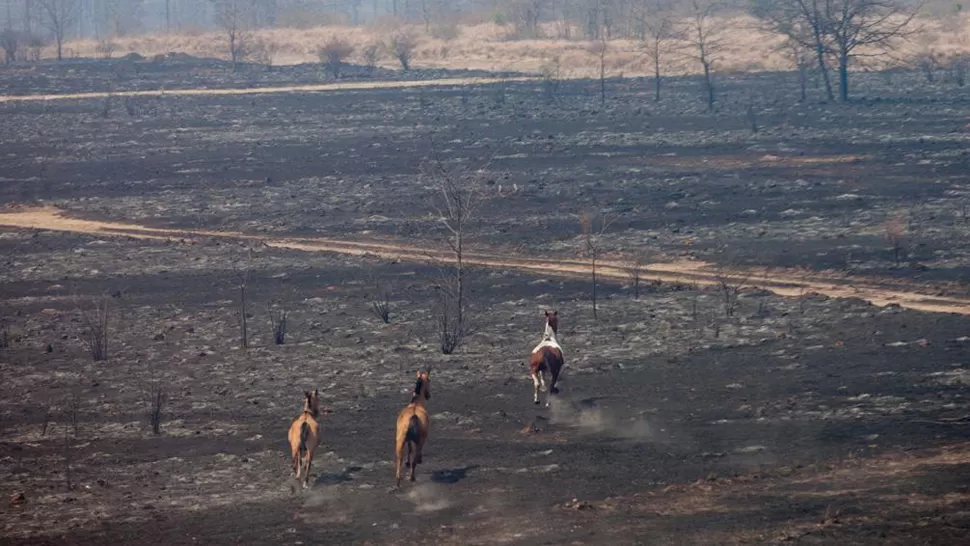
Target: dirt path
[
  {"x": 308, "y": 88},
  {"x": 784, "y": 282}
]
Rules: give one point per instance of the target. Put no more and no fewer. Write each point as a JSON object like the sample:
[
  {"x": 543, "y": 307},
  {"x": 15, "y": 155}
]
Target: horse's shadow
[
  {"x": 337, "y": 478},
  {"x": 452, "y": 475}
]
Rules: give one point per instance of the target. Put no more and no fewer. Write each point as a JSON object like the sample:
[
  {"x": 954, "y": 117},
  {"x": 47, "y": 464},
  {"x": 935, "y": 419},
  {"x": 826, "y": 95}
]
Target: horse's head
[
  {"x": 312, "y": 403},
  {"x": 422, "y": 387},
  {"x": 552, "y": 322}
]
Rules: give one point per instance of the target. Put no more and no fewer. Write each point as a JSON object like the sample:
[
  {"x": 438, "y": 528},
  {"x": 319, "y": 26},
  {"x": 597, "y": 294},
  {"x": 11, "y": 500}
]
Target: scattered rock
[{"x": 17, "y": 498}]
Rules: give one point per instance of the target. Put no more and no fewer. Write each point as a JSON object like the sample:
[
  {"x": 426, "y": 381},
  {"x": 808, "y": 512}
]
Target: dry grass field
[{"x": 488, "y": 46}]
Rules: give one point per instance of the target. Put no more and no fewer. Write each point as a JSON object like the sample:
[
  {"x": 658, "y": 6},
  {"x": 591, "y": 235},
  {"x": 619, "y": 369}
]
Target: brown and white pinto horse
[
  {"x": 547, "y": 358},
  {"x": 305, "y": 436},
  {"x": 412, "y": 428}
]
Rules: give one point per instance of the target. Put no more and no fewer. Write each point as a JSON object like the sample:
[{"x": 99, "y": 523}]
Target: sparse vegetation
[
  {"x": 333, "y": 53},
  {"x": 381, "y": 304},
  {"x": 264, "y": 51},
  {"x": 106, "y": 48},
  {"x": 95, "y": 334}
]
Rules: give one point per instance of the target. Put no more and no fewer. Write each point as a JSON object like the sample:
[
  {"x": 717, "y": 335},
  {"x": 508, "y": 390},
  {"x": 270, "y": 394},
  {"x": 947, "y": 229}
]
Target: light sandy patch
[{"x": 877, "y": 292}]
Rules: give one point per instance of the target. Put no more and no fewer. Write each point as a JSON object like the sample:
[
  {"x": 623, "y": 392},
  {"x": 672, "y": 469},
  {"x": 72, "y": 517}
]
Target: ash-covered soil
[{"x": 808, "y": 419}]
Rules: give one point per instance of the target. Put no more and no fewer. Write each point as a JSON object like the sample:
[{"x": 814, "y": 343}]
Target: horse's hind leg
[
  {"x": 553, "y": 389},
  {"x": 306, "y": 470},
  {"x": 542, "y": 387},
  {"x": 398, "y": 451},
  {"x": 535, "y": 387}
]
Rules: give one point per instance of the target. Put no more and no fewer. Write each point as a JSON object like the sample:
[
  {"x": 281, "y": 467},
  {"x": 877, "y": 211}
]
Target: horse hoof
[
  {"x": 407, "y": 465},
  {"x": 554, "y": 390},
  {"x": 536, "y": 402}
]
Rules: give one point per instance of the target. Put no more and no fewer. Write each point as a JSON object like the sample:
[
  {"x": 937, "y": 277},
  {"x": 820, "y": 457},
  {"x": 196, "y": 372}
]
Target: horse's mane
[{"x": 417, "y": 390}]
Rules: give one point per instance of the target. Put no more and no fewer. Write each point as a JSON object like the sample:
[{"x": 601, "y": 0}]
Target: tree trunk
[
  {"x": 710, "y": 86},
  {"x": 603, "y": 80},
  {"x": 844, "y": 77},
  {"x": 820, "y": 54},
  {"x": 244, "y": 337},
  {"x": 802, "y": 84},
  {"x": 594, "y": 287},
  {"x": 60, "y": 45},
  {"x": 656, "y": 78},
  {"x": 460, "y": 280},
  {"x": 232, "y": 49}
]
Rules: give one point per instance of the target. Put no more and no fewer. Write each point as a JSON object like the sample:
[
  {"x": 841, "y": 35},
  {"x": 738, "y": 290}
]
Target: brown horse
[
  {"x": 547, "y": 358},
  {"x": 412, "y": 427},
  {"x": 305, "y": 436}
]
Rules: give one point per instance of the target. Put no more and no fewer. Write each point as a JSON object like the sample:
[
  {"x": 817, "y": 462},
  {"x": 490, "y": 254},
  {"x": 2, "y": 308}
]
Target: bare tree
[
  {"x": 895, "y": 228},
  {"x": 277, "y": 319},
  {"x": 600, "y": 49},
  {"x": 157, "y": 396},
  {"x": 241, "y": 274},
  {"x": 459, "y": 194},
  {"x": 706, "y": 41},
  {"x": 10, "y": 42},
  {"x": 593, "y": 245},
  {"x": 233, "y": 18},
  {"x": 119, "y": 16},
  {"x": 402, "y": 46},
  {"x": 635, "y": 269},
  {"x": 803, "y": 23},
  {"x": 659, "y": 35},
  {"x": 861, "y": 28},
  {"x": 801, "y": 60},
  {"x": 730, "y": 287},
  {"x": 60, "y": 17}
]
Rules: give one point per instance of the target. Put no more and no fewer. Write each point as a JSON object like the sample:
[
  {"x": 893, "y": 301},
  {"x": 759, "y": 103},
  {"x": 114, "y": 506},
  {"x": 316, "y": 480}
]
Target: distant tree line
[{"x": 824, "y": 36}]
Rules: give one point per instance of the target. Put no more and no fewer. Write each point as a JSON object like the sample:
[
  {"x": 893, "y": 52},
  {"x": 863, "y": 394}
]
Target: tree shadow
[{"x": 452, "y": 475}]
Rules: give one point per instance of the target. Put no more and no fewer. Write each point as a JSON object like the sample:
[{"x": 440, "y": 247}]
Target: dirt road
[
  {"x": 784, "y": 282},
  {"x": 309, "y": 88}
]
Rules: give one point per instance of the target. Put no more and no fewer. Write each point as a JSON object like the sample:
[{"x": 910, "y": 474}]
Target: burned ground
[{"x": 810, "y": 419}]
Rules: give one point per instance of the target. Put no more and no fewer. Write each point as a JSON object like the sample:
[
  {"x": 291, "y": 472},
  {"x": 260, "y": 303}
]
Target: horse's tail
[
  {"x": 414, "y": 430},
  {"x": 304, "y": 434},
  {"x": 554, "y": 367}
]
